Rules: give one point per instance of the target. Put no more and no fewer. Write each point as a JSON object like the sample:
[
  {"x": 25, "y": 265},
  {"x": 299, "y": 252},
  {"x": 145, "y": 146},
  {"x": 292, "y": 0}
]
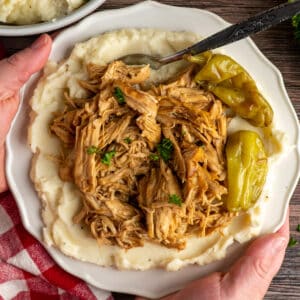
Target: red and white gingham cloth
[{"x": 27, "y": 272}]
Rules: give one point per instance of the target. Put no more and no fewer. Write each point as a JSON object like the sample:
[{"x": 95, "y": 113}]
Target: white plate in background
[{"x": 63, "y": 21}]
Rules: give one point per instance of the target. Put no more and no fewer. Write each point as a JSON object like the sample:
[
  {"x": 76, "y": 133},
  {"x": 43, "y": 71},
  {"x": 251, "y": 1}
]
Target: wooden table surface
[{"x": 280, "y": 47}]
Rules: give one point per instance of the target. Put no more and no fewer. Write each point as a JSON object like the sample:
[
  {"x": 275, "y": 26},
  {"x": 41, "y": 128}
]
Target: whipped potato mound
[
  {"x": 61, "y": 200},
  {"x": 34, "y": 11}
]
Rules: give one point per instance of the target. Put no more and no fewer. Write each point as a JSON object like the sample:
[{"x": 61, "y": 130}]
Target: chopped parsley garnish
[
  {"x": 119, "y": 96},
  {"x": 106, "y": 158},
  {"x": 298, "y": 228},
  {"x": 154, "y": 157},
  {"x": 127, "y": 140},
  {"x": 175, "y": 199},
  {"x": 292, "y": 242},
  {"x": 165, "y": 149},
  {"x": 296, "y": 24},
  {"x": 92, "y": 150}
]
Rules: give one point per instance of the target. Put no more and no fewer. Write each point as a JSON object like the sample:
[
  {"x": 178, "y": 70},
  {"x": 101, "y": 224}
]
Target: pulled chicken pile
[{"x": 149, "y": 163}]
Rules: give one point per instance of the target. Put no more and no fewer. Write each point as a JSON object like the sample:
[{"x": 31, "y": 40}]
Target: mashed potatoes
[
  {"x": 35, "y": 11},
  {"x": 61, "y": 200}
]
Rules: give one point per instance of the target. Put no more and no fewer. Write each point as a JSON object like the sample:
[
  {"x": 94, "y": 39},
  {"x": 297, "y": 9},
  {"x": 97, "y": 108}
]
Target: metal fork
[{"x": 233, "y": 33}]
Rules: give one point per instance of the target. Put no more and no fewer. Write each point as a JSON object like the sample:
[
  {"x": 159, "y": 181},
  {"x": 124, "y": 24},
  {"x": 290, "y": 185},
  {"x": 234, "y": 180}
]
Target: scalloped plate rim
[{"x": 58, "y": 256}]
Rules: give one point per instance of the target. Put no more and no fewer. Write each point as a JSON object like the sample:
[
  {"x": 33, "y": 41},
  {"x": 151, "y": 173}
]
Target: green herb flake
[
  {"x": 175, "y": 199},
  {"x": 296, "y": 24},
  {"x": 128, "y": 140},
  {"x": 298, "y": 228},
  {"x": 119, "y": 96},
  {"x": 165, "y": 149},
  {"x": 292, "y": 242},
  {"x": 106, "y": 158},
  {"x": 92, "y": 150},
  {"x": 154, "y": 157}
]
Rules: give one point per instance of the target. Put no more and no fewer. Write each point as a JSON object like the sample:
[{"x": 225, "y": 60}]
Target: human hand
[
  {"x": 248, "y": 279},
  {"x": 14, "y": 72}
]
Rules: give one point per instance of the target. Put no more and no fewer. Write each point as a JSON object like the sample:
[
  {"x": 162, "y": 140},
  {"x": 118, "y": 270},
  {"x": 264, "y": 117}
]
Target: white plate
[
  {"x": 77, "y": 14},
  {"x": 156, "y": 283}
]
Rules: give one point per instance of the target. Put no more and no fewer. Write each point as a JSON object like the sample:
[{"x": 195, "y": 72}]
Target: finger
[
  {"x": 237, "y": 281},
  {"x": 14, "y": 72},
  {"x": 249, "y": 277},
  {"x": 207, "y": 288},
  {"x": 253, "y": 273},
  {"x": 17, "y": 69}
]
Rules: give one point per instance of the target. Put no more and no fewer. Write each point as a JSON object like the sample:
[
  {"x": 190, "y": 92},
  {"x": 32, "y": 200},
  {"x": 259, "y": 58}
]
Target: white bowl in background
[{"x": 77, "y": 14}]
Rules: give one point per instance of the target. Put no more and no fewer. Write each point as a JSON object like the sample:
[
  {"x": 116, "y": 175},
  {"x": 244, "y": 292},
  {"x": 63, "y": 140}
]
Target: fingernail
[
  {"x": 271, "y": 244},
  {"x": 278, "y": 244},
  {"x": 40, "y": 42},
  {"x": 269, "y": 263}
]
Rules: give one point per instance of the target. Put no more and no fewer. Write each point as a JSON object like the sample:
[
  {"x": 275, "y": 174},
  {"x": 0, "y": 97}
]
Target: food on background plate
[
  {"x": 132, "y": 164},
  {"x": 35, "y": 11}
]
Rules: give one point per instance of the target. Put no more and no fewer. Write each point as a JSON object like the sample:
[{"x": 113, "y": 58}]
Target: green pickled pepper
[
  {"x": 247, "y": 168},
  {"x": 231, "y": 83}
]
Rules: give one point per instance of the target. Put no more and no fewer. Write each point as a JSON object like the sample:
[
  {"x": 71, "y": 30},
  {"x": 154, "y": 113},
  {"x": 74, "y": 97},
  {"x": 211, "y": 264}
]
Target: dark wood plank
[{"x": 279, "y": 46}]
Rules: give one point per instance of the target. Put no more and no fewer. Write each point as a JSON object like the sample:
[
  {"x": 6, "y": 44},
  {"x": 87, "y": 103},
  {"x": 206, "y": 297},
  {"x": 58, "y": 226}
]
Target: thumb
[
  {"x": 14, "y": 72},
  {"x": 253, "y": 273},
  {"x": 248, "y": 279},
  {"x": 17, "y": 69}
]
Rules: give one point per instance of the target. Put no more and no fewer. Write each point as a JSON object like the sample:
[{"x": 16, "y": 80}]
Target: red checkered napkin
[{"x": 26, "y": 269}]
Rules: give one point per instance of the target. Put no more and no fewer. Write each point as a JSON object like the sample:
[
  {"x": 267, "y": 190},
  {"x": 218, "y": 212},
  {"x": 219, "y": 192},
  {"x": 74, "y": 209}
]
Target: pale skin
[{"x": 248, "y": 279}]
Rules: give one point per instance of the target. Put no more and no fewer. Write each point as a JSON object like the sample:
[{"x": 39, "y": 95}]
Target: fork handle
[{"x": 233, "y": 33}]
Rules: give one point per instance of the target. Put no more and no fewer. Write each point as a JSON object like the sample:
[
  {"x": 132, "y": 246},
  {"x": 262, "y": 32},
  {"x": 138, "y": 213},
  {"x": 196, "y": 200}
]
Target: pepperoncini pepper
[
  {"x": 231, "y": 83},
  {"x": 247, "y": 168}
]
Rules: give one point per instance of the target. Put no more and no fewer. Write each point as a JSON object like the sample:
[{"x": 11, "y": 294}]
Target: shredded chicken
[{"x": 148, "y": 163}]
